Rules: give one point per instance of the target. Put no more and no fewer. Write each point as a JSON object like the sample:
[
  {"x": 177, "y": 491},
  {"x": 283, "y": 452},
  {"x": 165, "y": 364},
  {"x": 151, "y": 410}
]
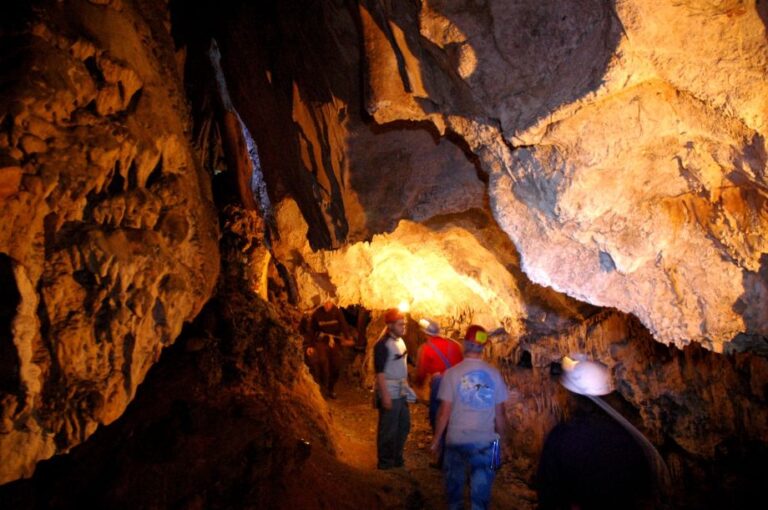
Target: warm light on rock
[{"x": 447, "y": 272}]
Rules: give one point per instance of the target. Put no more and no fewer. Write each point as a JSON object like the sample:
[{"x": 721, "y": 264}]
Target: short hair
[{"x": 472, "y": 347}]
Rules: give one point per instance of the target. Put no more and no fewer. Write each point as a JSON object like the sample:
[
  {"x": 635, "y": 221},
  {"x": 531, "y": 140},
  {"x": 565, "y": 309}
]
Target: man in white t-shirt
[
  {"x": 390, "y": 359},
  {"x": 472, "y": 394}
]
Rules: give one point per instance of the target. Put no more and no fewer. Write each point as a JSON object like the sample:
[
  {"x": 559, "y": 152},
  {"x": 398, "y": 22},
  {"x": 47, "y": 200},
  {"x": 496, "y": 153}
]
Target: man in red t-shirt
[{"x": 435, "y": 356}]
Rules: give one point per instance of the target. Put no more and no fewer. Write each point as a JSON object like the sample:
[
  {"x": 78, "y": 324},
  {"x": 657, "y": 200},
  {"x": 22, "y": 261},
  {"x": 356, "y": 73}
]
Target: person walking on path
[
  {"x": 327, "y": 328},
  {"x": 435, "y": 356},
  {"x": 392, "y": 392},
  {"x": 471, "y": 410}
]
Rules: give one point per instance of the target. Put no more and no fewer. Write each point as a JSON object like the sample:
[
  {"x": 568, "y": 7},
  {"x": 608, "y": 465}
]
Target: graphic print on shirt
[{"x": 476, "y": 389}]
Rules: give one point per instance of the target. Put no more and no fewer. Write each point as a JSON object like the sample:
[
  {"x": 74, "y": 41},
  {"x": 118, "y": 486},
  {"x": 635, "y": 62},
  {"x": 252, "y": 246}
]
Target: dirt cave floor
[{"x": 417, "y": 485}]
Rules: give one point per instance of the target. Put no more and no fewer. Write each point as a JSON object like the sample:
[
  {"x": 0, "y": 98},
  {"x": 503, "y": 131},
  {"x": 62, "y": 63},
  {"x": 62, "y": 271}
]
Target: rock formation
[
  {"x": 513, "y": 163},
  {"x": 109, "y": 239},
  {"x": 613, "y": 151}
]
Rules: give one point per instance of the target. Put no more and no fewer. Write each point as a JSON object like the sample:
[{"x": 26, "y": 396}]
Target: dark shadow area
[
  {"x": 10, "y": 379},
  {"x": 762, "y": 11},
  {"x": 751, "y": 305},
  {"x": 535, "y": 56}
]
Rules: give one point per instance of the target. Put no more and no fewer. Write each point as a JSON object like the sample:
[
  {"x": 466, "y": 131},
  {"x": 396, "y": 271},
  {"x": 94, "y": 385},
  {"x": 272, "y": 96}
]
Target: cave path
[{"x": 420, "y": 485}]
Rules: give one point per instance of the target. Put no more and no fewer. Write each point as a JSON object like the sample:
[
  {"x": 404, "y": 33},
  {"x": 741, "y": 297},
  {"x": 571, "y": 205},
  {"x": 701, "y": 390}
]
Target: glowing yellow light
[{"x": 431, "y": 274}]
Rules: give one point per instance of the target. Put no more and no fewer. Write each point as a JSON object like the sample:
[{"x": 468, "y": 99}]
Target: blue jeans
[{"x": 476, "y": 457}]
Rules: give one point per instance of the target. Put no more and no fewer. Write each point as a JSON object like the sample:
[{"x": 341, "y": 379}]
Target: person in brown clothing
[{"x": 327, "y": 330}]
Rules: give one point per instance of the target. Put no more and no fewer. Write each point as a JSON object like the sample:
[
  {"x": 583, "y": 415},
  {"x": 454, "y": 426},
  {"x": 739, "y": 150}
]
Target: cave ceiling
[{"x": 619, "y": 145}]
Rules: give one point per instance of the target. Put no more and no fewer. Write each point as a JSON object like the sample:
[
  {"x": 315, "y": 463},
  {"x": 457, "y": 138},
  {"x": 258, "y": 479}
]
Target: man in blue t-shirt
[{"x": 471, "y": 409}]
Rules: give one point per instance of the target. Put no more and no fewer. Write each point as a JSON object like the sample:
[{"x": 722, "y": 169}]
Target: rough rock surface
[
  {"x": 228, "y": 418},
  {"x": 621, "y": 138},
  {"x": 108, "y": 237},
  {"x": 622, "y": 144},
  {"x": 456, "y": 269},
  {"x": 706, "y": 413}
]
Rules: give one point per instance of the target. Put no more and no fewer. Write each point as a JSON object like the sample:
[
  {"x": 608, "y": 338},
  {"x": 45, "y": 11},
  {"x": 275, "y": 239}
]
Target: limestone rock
[
  {"x": 626, "y": 158},
  {"x": 108, "y": 226}
]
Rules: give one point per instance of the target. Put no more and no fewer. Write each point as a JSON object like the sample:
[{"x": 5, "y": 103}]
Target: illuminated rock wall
[
  {"x": 624, "y": 143},
  {"x": 108, "y": 229},
  {"x": 618, "y": 140}
]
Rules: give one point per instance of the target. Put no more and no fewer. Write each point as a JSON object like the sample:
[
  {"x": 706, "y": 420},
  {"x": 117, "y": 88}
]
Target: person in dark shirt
[
  {"x": 591, "y": 462},
  {"x": 327, "y": 330}
]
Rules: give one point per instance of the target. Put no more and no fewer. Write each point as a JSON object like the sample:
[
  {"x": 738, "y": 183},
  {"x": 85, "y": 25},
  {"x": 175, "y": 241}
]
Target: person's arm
[
  {"x": 381, "y": 383},
  {"x": 443, "y": 414},
  {"x": 380, "y": 355}
]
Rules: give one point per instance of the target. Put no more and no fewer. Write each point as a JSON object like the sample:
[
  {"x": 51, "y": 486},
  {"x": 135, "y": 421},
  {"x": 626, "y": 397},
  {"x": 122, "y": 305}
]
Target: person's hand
[
  {"x": 435, "y": 446},
  {"x": 310, "y": 351},
  {"x": 386, "y": 402}
]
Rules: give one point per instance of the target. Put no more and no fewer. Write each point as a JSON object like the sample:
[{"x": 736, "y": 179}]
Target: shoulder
[
  {"x": 492, "y": 370},
  {"x": 451, "y": 372}
]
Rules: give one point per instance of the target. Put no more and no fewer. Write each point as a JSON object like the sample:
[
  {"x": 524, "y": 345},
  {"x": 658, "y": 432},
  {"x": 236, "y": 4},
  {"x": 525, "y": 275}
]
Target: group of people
[
  {"x": 466, "y": 397},
  {"x": 465, "y": 394}
]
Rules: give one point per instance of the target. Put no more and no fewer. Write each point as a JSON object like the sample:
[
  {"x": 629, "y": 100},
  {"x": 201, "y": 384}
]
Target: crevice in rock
[
  {"x": 10, "y": 377},
  {"x": 129, "y": 343},
  {"x": 93, "y": 68},
  {"x": 156, "y": 175},
  {"x": 117, "y": 182}
]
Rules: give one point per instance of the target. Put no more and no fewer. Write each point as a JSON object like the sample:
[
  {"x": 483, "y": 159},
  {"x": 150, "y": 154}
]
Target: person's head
[
  {"x": 328, "y": 305},
  {"x": 429, "y": 327},
  {"x": 584, "y": 377},
  {"x": 395, "y": 321},
  {"x": 475, "y": 339}
]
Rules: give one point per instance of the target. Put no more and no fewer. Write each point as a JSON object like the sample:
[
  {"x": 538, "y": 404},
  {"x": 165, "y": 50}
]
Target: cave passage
[{"x": 181, "y": 181}]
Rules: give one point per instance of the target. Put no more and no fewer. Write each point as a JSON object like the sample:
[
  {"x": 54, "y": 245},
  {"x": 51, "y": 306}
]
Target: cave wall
[
  {"x": 706, "y": 413},
  {"x": 612, "y": 149},
  {"x": 108, "y": 235},
  {"x": 622, "y": 172},
  {"x": 338, "y": 180},
  {"x": 300, "y": 96},
  {"x": 620, "y": 139}
]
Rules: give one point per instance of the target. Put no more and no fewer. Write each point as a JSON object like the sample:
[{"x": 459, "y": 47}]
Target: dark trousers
[
  {"x": 328, "y": 365},
  {"x": 394, "y": 425},
  {"x": 434, "y": 407}
]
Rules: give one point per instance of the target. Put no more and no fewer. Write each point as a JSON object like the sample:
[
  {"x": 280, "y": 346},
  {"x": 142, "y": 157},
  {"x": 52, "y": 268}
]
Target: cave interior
[{"x": 183, "y": 183}]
